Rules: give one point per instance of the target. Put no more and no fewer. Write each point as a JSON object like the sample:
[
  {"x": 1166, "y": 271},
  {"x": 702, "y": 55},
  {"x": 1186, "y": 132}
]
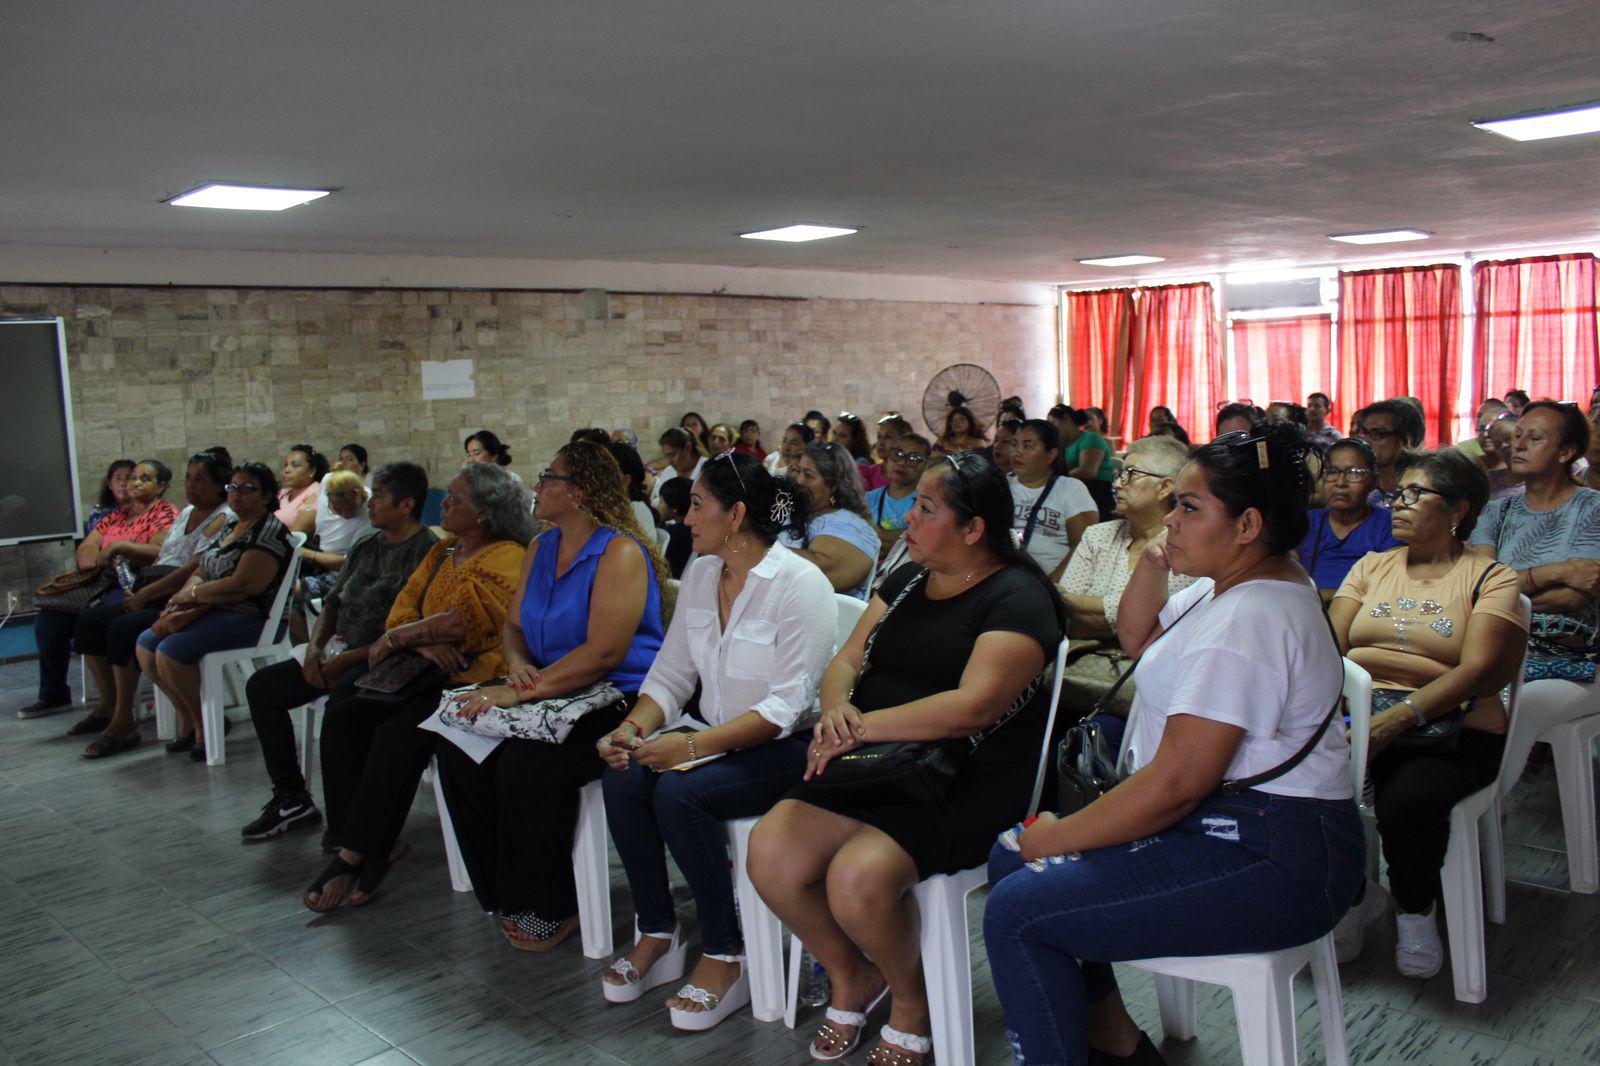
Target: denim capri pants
[{"x": 213, "y": 631}]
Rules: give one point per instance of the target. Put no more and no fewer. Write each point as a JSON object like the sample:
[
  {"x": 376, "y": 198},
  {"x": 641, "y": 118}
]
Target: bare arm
[
  {"x": 251, "y": 577},
  {"x": 1089, "y": 461},
  {"x": 1086, "y": 617},
  {"x": 1490, "y": 657},
  {"x": 1002, "y": 664},
  {"x": 845, "y": 565},
  {"x": 89, "y": 551},
  {"x": 616, "y": 605},
  {"x": 1139, "y": 611}
]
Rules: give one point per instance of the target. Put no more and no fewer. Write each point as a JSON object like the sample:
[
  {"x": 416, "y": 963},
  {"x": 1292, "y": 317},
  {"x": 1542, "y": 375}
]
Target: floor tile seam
[{"x": 265, "y": 1028}]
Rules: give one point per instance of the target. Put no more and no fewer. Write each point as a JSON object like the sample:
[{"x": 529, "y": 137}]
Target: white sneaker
[
  {"x": 1350, "y": 935},
  {"x": 1417, "y": 950}
]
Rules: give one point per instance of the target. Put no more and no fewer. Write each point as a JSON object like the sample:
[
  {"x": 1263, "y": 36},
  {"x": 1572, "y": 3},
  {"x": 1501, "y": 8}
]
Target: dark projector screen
[{"x": 39, "y": 473}]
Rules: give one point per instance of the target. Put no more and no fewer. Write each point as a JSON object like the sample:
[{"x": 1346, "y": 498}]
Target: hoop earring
[{"x": 727, "y": 543}]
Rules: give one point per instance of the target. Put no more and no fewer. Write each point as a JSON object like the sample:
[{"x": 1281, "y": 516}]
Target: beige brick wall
[{"x": 164, "y": 372}]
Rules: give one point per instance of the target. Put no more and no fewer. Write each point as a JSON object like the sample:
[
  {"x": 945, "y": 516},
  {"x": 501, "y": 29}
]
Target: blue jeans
[
  {"x": 685, "y": 811},
  {"x": 1249, "y": 873},
  {"x": 213, "y": 631}
]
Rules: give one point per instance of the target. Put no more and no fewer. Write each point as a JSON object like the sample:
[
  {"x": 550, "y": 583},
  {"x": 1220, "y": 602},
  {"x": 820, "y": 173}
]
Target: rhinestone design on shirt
[{"x": 1442, "y": 625}]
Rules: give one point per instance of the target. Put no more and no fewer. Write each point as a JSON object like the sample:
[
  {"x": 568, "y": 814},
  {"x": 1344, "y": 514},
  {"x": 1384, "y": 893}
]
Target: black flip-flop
[
  {"x": 373, "y": 873},
  {"x": 102, "y": 746},
  {"x": 337, "y": 867},
  {"x": 88, "y": 724}
]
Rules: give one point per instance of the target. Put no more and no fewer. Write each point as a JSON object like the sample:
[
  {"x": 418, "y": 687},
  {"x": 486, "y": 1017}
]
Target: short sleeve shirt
[
  {"x": 371, "y": 577},
  {"x": 1089, "y": 440},
  {"x": 848, "y": 527},
  {"x": 219, "y": 560},
  {"x": 1099, "y": 567},
  {"x": 1328, "y": 559},
  {"x": 886, "y": 511},
  {"x": 1048, "y": 543},
  {"x": 145, "y": 529}
]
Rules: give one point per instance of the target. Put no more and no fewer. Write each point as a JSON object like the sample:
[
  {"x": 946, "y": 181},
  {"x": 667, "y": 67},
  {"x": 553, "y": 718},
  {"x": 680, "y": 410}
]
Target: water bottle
[
  {"x": 815, "y": 988},
  {"x": 125, "y": 574}
]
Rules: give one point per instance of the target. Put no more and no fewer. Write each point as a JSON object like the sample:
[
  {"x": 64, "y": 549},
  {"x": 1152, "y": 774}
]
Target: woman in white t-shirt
[
  {"x": 1050, "y": 510},
  {"x": 1237, "y": 831}
]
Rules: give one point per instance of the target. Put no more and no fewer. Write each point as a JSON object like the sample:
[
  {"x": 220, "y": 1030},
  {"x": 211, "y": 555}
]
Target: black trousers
[
  {"x": 274, "y": 691},
  {"x": 373, "y": 756},
  {"x": 515, "y": 813},
  {"x": 1414, "y": 795},
  {"x": 105, "y": 630}
]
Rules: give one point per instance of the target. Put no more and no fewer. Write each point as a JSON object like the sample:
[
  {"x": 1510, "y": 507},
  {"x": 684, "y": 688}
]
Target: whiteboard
[{"x": 38, "y": 458}]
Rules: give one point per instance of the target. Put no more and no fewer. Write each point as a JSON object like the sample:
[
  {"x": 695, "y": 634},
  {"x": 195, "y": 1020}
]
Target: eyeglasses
[
  {"x": 1345, "y": 473},
  {"x": 550, "y": 475},
  {"x": 1127, "y": 474},
  {"x": 728, "y": 457},
  {"x": 241, "y": 486},
  {"x": 1412, "y": 495},
  {"x": 900, "y": 455},
  {"x": 1376, "y": 434}
]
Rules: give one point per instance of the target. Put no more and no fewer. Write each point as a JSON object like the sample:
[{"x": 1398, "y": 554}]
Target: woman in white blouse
[{"x": 754, "y": 626}]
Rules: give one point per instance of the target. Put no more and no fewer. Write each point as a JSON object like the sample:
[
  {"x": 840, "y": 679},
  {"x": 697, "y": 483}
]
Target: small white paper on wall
[{"x": 448, "y": 380}]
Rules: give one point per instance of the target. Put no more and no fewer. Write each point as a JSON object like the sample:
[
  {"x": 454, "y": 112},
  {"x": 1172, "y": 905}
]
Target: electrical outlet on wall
[{"x": 13, "y": 597}]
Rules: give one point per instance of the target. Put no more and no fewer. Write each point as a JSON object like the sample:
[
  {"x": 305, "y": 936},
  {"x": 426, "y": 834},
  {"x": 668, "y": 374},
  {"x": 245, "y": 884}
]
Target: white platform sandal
[
  {"x": 835, "y": 1038},
  {"x": 920, "y": 1046},
  {"x": 668, "y": 967},
  {"x": 716, "y": 1007}
]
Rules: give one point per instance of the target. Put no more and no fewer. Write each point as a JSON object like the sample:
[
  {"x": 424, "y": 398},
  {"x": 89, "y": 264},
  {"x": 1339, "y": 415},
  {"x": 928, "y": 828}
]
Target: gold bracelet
[{"x": 693, "y": 754}]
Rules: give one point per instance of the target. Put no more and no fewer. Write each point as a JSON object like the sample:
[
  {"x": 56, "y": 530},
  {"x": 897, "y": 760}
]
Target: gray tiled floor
[{"x": 134, "y": 927}]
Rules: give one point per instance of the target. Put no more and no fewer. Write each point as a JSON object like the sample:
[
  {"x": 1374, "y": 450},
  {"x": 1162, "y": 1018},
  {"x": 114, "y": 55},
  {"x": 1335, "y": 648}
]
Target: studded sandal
[
  {"x": 900, "y": 1049},
  {"x": 837, "y": 1046}
]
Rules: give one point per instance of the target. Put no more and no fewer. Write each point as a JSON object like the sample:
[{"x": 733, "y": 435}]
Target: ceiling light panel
[
  {"x": 1567, "y": 123},
  {"x": 1122, "y": 260},
  {"x": 1383, "y": 236},
  {"x": 798, "y": 233},
  {"x": 230, "y": 197}
]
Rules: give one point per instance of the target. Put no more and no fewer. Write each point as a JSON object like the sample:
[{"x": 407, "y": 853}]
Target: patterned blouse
[
  {"x": 480, "y": 588},
  {"x": 150, "y": 526},
  {"x": 1099, "y": 567}
]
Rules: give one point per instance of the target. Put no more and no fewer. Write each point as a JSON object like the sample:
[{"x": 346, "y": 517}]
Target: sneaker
[
  {"x": 42, "y": 708},
  {"x": 281, "y": 814},
  {"x": 1350, "y": 935},
  {"x": 1417, "y": 950}
]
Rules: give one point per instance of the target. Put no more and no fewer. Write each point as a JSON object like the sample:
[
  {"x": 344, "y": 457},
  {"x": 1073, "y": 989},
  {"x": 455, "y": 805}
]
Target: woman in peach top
[{"x": 299, "y": 483}]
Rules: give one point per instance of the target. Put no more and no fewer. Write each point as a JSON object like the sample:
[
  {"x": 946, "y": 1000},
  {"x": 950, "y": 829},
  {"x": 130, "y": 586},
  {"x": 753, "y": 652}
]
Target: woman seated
[
  {"x": 796, "y": 436},
  {"x": 819, "y": 425},
  {"x": 1160, "y": 416},
  {"x": 353, "y": 457},
  {"x": 1499, "y": 442},
  {"x": 719, "y": 439},
  {"x": 303, "y": 470},
  {"x": 105, "y": 634},
  {"x": 959, "y": 652},
  {"x": 753, "y": 631},
  {"x": 115, "y": 492},
  {"x": 131, "y": 534},
  {"x": 1349, "y": 526},
  {"x": 1440, "y": 630},
  {"x": 1050, "y": 510},
  {"x": 851, "y": 433},
  {"x": 750, "y": 440},
  {"x": 633, "y": 480},
  {"x": 1550, "y": 535},
  {"x": 888, "y": 506},
  {"x": 1099, "y": 571},
  {"x": 223, "y": 598},
  {"x": 1086, "y": 455},
  {"x": 450, "y": 613},
  {"x": 962, "y": 430},
  {"x": 588, "y": 609},
  {"x": 838, "y": 536},
  {"x": 1239, "y": 680},
  {"x": 339, "y": 519}
]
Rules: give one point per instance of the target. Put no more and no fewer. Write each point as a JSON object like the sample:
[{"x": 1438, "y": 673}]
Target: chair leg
[
  {"x": 763, "y": 933},
  {"x": 212, "y": 710},
  {"x": 166, "y": 717},
  {"x": 1494, "y": 864},
  {"x": 947, "y": 968},
  {"x": 1462, "y": 879},
  {"x": 459, "y": 880},
  {"x": 1175, "y": 997},
  {"x": 592, "y": 873},
  {"x": 791, "y": 1004},
  {"x": 308, "y": 741},
  {"x": 1573, "y": 745},
  {"x": 1330, "y": 1002},
  {"x": 1266, "y": 1022}
]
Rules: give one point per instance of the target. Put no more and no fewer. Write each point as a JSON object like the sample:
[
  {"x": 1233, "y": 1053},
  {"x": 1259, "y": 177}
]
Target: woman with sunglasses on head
[
  {"x": 226, "y": 595},
  {"x": 1170, "y": 862},
  {"x": 1440, "y": 630},
  {"x": 850, "y": 433},
  {"x": 959, "y": 649},
  {"x": 838, "y": 535},
  {"x": 449, "y": 615},
  {"x": 1349, "y": 526},
  {"x": 589, "y": 608},
  {"x": 752, "y": 633}
]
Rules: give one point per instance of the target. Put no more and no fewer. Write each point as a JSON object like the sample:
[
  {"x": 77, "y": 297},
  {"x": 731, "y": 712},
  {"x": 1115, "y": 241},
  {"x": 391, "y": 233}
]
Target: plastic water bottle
[
  {"x": 815, "y": 988},
  {"x": 125, "y": 575}
]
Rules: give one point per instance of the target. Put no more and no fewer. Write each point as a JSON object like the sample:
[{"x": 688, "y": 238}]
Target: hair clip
[
  {"x": 782, "y": 507},
  {"x": 1262, "y": 459}
]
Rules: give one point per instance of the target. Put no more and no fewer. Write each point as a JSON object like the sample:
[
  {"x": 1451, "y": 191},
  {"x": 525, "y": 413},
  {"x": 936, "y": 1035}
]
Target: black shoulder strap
[
  {"x": 1478, "y": 588},
  {"x": 1033, "y": 515}
]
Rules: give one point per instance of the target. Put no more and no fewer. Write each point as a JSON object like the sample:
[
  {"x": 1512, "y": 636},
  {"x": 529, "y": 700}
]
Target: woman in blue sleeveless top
[{"x": 589, "y": 610}]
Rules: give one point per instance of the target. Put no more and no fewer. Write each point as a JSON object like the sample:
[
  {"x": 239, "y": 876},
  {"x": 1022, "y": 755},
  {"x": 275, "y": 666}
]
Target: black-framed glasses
[
  {"x": 1345, "y": 473},
  {"x": 900, "y": 455},
  {"x": 1376, "y": 434},
  {"x": 1412, "y": 495},
  {"x": 1127, "y": 474},
  {"x": 728, "y": 456},
  {"x": 240, "y": 486},
  {"x": 550, "y": 475}
]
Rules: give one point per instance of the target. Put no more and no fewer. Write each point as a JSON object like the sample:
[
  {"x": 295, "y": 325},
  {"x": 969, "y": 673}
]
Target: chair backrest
[
  {"x": 663, "y": 538},
  {"x": 269, "y": 631},
  {"x": 1058, "y": 678},
  {"x": 1515, "y": 756},
  {"x": 1358, "y": 701},
  {"x": 850, "y": 611},
  {"x": 432, "y": 507}
]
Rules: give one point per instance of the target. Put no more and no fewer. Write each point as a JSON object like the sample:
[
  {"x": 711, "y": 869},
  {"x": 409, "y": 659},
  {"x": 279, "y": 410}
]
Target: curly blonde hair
[{"x": 595, "y": 473}]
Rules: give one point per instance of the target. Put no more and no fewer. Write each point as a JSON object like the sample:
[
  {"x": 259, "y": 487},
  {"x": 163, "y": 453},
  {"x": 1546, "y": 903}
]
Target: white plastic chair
[
  {"x": 763, "y": 932},
  {"x": 850, "y": 612},
  {"x": 213, "y": 667},
  {"x": 1565, "y": 715},
  {"x": 1263, "y": 984},
  {"x": 945, "y": 937}
]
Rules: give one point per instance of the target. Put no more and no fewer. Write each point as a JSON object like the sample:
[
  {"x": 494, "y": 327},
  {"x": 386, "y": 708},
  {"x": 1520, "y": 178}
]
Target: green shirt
[
  {"x": 1091, "y": 440},
  {"x": 372, "y": 575}
]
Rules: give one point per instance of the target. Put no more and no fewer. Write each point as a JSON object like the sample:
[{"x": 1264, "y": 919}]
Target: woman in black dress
[{"x": 962, "y": 651}]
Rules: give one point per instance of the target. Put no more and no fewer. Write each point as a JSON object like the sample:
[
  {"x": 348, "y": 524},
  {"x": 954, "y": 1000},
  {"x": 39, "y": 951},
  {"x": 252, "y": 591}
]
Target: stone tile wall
[{"x": 164, "y": 372}]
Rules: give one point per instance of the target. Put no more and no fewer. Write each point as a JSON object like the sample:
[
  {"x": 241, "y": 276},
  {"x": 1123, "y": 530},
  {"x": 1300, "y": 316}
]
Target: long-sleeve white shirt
[{"x": 769, "y": 659}]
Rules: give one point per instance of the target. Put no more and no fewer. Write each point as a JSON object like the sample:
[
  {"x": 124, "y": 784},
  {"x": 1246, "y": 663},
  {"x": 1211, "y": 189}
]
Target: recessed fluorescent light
[
  {"x": 1568, "y": 123},
  {"x": 1382, "y": 236},
  {"x": 795, "y": 234},
  {"x": 246, "y": 197},
  {"x": 1122, "y": 260}
]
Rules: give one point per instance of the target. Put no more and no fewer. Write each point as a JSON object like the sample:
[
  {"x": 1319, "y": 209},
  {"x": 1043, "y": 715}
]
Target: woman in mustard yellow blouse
[{"x": 450, "y": 612}]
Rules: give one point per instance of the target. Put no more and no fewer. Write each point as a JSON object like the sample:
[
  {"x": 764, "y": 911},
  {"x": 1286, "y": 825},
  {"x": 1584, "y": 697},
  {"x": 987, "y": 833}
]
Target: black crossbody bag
[{"x": 407, "y": 674}]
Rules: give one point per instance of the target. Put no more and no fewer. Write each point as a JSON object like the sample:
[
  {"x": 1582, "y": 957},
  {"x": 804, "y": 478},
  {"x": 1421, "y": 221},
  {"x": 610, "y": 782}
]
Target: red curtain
[
  {"x": 1537, "y": 327},
  {"x": 1283, "y": 359},
  {"x": 1400, "y": 335},
  {"x": 1174, "y": 360},
  {"x": 1097, "y": 328}
]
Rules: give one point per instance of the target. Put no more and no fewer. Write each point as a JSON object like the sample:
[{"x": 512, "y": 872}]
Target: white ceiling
[{"x": 996, "y": 140}]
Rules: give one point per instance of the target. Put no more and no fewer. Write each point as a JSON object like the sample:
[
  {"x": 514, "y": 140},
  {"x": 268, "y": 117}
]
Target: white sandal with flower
[
  {"x": 716, "y": 1007},
  {"x": 668, "y": 967},
  {"x": 898, "y": 1049}
]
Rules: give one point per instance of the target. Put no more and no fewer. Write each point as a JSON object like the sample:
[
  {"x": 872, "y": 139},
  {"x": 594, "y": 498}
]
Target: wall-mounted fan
[{"x": 962, "y": 385}]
